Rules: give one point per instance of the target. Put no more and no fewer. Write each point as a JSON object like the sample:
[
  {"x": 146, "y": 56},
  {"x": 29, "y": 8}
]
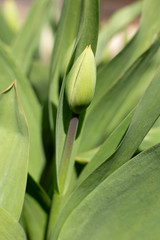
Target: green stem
[
  {"x": 56, "y": 202},
  {"x": 67, "y": 161},
  {"x": 66, "y": 167}
]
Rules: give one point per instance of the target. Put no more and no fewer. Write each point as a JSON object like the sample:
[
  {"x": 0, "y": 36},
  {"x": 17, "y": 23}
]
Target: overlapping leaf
[
  {"x": 147, "y": 31},
  {"x": 116, "y": 23},
  {"x": 35, "y": 219},
  {"x": 10, "y": 229},
  {"x": 14, "y": 152},
  {"x": 65, "y": 37},
  {"x": 38, "y": 193},
  {"x": 146, "y": 114},
  {"x": 8, "y": 73},
  {"x": 124, "y": 207},
  {"x": 26, "y": 40},
  {"x": 152, "y": 138},
  {"x": 107, "y": 148},
  {"x": 119, "y": 99}
]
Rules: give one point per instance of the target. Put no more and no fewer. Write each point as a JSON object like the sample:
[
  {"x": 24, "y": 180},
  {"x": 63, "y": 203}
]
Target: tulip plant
[{"x": 80, "y": 133}]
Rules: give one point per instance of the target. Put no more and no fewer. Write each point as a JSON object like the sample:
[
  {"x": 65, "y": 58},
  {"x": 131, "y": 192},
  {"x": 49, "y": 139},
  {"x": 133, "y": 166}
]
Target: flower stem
[
  {"x": 67, "y": 161},
  {"x": 66, "y": 168}
]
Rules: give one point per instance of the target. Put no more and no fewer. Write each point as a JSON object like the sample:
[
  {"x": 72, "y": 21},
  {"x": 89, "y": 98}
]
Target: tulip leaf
[
  {"x": 35, "y": 219},
  {"x": 65, "y": 38},
  {"x": 120, "y": 99},
  {"x": 10, "y": 229},
  {"x": 147, "y": 112},
  {"x": 39, "y": 79},
  {"x": 14, "y": 152},
  {"x": 38, "y": 193},
  {"x": 8, "y": 73},
  {"x": 26, "y": 40},
  {"x": 149, "y": 28},
  {"x": 89, "y": 26},
  {"x": 6, "y": 33},
  {"x": 120, "y": 204},
  {"x": 107, "y": 148},
  {"x": 86, "y": 157},
  {"x": 115, "y": 24},
  {"x": 152, "y": 138}
]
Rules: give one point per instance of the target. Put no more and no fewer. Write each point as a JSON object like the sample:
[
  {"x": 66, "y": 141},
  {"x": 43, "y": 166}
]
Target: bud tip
[{"x": 88, "y": 46}]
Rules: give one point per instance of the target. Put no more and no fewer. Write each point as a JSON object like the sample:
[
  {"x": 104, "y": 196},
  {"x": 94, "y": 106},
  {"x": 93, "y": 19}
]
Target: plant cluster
[{"x": 79, "y": 134}]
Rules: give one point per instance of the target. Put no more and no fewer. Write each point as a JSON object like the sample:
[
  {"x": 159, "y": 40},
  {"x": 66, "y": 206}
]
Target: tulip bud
[{"x": 81, "y": 81}]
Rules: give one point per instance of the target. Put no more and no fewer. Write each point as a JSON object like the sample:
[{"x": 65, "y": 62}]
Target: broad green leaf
[
  {"x": 8, "y": 73},
  {"x": 146, "y": 114},
  {"x": 6, "y": 33},
  {"x": 147, "y": 111},
  {"x": 26, "y": 40},
  {"x": 38, "y": 193},
  {"x": 115, "y": 24},
  {"x": 125, "y": 206},
  {"x": 35, "y": 219},
  {"x": 147, "y": 32},
  {"x": 107, "y": 148},
  {"x": 14, "y": 152},
  {"x": 120, "y": 99},
  {"x": 10, "y": 229}
]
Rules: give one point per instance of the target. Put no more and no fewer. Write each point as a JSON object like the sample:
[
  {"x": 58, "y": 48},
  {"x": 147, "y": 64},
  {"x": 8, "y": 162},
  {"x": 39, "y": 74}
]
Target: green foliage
[{"x": 91, "y": 175}]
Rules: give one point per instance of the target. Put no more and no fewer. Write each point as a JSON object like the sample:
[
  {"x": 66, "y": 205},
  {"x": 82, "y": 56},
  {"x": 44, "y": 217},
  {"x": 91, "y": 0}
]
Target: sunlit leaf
[
  {"x": 6, "y": 33},
  {"x": 116, "y": 23}
]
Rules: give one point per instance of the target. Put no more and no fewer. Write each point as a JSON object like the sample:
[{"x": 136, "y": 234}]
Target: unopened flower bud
[{"x": 81, "y": 81}]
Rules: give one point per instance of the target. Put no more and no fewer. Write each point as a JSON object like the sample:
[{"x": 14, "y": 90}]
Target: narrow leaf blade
[{"x": 26, "y": 40}]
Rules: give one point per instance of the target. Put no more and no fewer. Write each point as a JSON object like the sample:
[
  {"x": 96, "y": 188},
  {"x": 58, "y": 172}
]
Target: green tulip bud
[{"x": 81, "y": 81}]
